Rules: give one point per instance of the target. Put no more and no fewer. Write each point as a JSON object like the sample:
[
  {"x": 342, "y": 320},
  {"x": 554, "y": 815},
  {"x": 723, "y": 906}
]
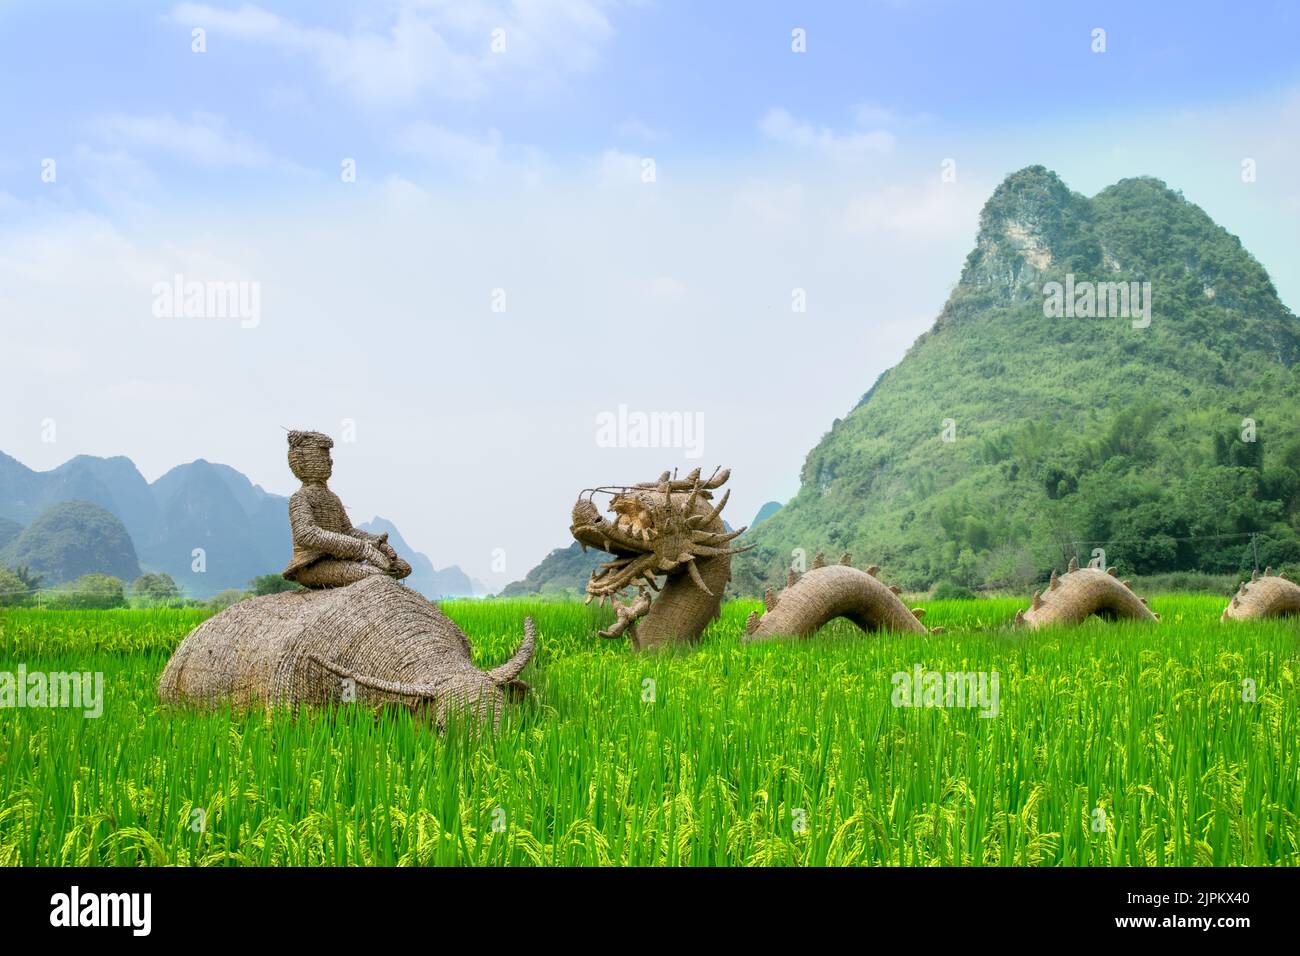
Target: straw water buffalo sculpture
[
  {"x": 354, "y": 634},
  {"x": 372, "y": 643}
]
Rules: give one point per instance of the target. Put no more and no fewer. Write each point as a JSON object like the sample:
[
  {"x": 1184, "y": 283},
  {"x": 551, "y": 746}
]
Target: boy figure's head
[{"x": 309, "y": 456}]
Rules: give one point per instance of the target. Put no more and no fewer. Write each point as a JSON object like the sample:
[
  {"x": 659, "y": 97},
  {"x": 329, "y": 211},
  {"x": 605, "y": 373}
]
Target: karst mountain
[{"x": 1038, "y": 418}]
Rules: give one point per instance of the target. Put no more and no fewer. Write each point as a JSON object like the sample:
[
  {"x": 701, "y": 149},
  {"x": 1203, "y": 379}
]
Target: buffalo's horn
[{"x": 512, "y": 668}]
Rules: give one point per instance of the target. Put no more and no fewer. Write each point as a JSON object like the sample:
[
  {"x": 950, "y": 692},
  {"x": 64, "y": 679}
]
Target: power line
[
  {"x": 1254, "y": 537},
  {"x": 1193, "y": 537}
]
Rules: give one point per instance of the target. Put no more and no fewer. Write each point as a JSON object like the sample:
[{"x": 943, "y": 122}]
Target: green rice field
[{"x": 1113, "y": 745}]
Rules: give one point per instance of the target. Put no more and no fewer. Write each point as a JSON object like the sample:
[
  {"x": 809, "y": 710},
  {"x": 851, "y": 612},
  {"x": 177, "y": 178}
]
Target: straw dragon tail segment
[
  {"x": 1072, "y": 597},
  {"x": 1263, "y": 597},
  {"x": 825, "y": 592}
]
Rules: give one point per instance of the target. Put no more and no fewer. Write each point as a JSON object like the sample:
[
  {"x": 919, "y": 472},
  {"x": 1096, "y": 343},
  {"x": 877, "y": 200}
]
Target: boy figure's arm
[
  {"x": 352, "y": 545},
  {"x": 380, "y": 541}
]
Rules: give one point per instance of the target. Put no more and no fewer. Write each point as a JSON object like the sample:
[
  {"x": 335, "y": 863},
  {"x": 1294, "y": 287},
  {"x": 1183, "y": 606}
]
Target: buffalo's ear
[{"x": 516, "y": 690}]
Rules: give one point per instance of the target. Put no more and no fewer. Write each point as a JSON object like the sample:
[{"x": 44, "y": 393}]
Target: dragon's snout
[
  {"x": 669, "y": 530},
  {"x": 584, "y": 513},
  {"x": 654, "y": 530},
  {"x": 586, "y": 525}
]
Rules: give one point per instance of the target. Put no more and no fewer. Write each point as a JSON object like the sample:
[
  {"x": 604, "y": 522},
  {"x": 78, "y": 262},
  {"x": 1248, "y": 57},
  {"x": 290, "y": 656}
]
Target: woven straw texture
[
  {"x": 374, "y": 642},
  {"x": 1081, "y": 592},
  {"x": 817, "y": 597},
  {"x": 1264, "y": 597},
  {"x": 668, "y": 529},
  {"x": 327, "y": 551}
]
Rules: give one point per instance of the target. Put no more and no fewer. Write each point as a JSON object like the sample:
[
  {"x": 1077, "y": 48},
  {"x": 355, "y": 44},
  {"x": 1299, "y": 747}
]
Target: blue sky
[
  {"x": 700, "y": 72},
  {"x": 523, "y": 170}
]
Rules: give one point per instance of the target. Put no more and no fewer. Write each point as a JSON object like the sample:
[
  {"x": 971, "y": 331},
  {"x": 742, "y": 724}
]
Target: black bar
[{"x": 337, "y": 906}]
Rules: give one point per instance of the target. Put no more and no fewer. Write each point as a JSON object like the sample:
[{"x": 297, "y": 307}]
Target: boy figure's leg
[{"x": 335, "y": 573}]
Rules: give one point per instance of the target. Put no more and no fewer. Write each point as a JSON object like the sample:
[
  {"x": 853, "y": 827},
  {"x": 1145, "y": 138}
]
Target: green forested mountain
[
  {"x": 71, "y": 539},
  {"x": 770, "y": 508},
  {"x": 1007, "y": 439},
  {"x": 564, "y": 569}
]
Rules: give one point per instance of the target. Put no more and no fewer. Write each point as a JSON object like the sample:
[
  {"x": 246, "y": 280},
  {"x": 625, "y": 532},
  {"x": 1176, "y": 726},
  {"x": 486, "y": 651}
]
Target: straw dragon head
[{"x": 670, "y": 528}]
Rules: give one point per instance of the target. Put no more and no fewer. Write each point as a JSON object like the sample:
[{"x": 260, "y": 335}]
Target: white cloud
[
  {"x": 384, "y": 291},
  {"x": 471, "y": 155},
  {"x": 872, "y": 114},
  {"x": 441, "y": 145},
  {"x": 401, "y": 192},
  {"x": 617, "y": 168},
  {"x": 666, "y": 287},
  {"x": 780, "y": 126},
  {"x": 635, "y": 129},
  {"x": 781, "y": 205},
  {"x": 153, "y": 392},
  {"x": 203, "y": 139},
  {"x": 922, "y": 211},
  {"x": 114, "y": 175},
  {"x": 54, "y": 361},
  {"x": 436, "y": 49}
]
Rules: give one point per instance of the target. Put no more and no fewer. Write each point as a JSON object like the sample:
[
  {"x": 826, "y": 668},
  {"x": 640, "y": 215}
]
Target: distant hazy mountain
[
  {"x": 240, "y": 535},
  {"x": 432, "y": 583},
  {"x": 765, "y": 512},
  {"x": 564, "y": 569},
  {"x": 112, "y": 483},
  {"x": 71, "y": 539},
  {"x": 8, "y": 531},
  {"x": 239, "y": 529}
]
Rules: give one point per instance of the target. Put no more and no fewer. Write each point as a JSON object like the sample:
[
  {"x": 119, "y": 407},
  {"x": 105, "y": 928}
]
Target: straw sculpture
[
  {"x": 374, "y": 643},
  {"x": 327, "y": 551},
  {"x": 1070, "y": 598},
  {"x": 627, "y": 614},
  {"x": 671, "y": 529},
  {"x": 1263, "y": 597},
  {"x": 813, "y": 599},
  {"x": 355, "y": 635},
  {"x": 668, "y": 528}
]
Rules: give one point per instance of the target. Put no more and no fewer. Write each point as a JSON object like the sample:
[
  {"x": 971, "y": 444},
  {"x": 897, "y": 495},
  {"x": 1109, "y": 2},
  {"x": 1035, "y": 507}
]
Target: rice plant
[{"x": 1112, "y": 744}]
